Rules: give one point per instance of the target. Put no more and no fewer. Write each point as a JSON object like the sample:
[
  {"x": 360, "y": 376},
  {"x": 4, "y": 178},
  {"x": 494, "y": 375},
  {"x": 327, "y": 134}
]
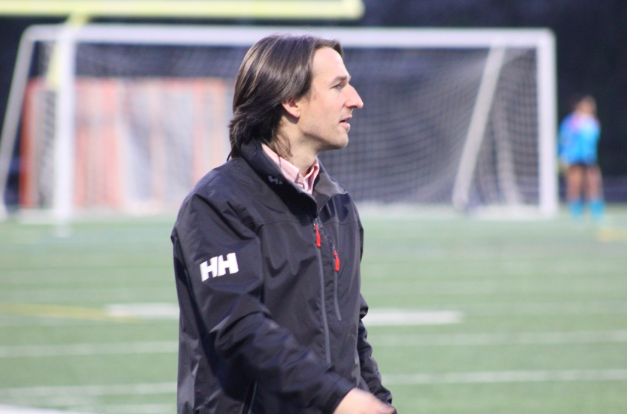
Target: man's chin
[
  {"x": 338, "y": 143},
  {"x": 341, "y": 142},
  {"x": 344, "y": 143}
]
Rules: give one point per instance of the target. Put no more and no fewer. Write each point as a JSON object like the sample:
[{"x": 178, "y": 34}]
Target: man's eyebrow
[{"x": 341, "y": 78}]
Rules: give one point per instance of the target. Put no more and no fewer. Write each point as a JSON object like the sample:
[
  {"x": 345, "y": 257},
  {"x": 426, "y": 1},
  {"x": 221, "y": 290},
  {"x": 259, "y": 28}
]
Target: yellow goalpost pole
[{"x": 274, "y": 9}]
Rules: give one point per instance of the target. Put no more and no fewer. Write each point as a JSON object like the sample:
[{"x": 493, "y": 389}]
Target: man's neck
[
  {"x": 302, "y": 156},
  {"x": 302, "y": 161}
]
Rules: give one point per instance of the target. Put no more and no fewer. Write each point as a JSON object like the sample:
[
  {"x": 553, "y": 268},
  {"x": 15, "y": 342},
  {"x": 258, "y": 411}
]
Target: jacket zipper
[
  {"x": 325, "y": 322},
  {"x": 252, "y": 400},
  {"x": 247, "y": 407},
  {"x": 336, "y": 283}
]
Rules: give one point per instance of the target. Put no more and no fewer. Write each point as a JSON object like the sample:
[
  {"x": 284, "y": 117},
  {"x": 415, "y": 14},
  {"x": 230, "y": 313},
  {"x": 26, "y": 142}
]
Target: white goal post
[{"x": 457, "y": 117}]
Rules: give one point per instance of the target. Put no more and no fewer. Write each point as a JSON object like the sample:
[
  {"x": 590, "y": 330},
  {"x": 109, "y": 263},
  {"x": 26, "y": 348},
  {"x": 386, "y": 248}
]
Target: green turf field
[{"x": 88, "y": 319}]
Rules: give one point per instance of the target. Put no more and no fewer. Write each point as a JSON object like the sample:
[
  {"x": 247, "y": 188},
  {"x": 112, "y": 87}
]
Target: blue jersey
[{"x": 578, "y": 138}]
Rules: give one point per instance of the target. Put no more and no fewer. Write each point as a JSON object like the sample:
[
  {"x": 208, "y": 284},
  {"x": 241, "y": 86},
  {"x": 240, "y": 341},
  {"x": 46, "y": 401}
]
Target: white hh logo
[
  {"x": 274, "y": 180},
  {"x": 217, "y": 266}
]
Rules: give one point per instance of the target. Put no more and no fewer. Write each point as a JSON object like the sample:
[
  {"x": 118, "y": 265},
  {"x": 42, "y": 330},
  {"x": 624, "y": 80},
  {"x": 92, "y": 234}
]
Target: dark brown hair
[{"x": 277, "y": 68}]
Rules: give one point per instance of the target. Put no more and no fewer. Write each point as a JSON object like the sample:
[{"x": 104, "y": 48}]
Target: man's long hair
[{"x": 276, "y": 69}]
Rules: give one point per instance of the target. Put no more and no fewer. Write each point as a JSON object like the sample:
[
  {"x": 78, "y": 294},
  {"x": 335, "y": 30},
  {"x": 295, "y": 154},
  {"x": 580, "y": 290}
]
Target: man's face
[{"x": 327, "y": 109}]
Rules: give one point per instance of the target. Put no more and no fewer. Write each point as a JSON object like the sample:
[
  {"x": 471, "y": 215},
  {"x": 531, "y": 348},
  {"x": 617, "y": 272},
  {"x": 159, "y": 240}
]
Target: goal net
[{"x": 127, "y": 118}]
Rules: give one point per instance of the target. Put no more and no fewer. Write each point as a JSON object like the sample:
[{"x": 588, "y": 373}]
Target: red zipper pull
[
  {"x": 318, "y": 243},
  {"x": 337, "y": 260}
]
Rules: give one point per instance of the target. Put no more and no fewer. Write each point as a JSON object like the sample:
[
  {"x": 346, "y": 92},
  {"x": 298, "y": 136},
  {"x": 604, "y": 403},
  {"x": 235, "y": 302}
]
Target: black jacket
[{"x": 268, "y": 284}]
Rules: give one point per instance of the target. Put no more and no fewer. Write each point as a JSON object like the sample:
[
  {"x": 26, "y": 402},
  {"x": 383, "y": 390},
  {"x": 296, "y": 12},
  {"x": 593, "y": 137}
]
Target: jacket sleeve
[
  {"x": 369, "y": 368},
  {"x": 222, "y": 259}
]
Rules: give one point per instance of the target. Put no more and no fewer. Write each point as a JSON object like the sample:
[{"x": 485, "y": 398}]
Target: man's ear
[{"x": 292, "y": 107}]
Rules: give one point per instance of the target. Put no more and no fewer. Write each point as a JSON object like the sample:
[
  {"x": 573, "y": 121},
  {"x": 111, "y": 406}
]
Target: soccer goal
[{"x": 125, "y": 118}]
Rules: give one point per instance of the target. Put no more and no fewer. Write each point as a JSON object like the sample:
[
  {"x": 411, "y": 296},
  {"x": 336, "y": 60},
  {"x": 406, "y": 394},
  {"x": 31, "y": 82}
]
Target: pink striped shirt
[{"x": 291, "y": 172}]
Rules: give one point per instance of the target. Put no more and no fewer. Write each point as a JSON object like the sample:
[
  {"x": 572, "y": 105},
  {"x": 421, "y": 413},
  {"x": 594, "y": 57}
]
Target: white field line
[
  {"x": 577, "y": 270},
  {"x": 405, "y": 288},
  {"x": 167, "y": 311},
  {"x": 143, "y": 310},
  {"x": 17, "y": 351},
  {"x": 88, "y": 390},
  {"x": 46, "y": 321},
  {"x": 76, "y": 402},
  {"x": 470, "y": 288},
  {"x": 384, "y": 317},
  {"x": 484, "y": 377},
  {"x": 489, "y": 377},
  {"x": 63, "y": 400},
  {"x": 60, "y": 277},
  {"x": 389, "y": 317},
  {"x": 376, "y": 317},
  {"x": 539, "y": 308},
  {"x": 138, "y": 408},
  {"x": 478, "y": 339},
  {"x": 160, "y": 312},
  {"x": 96, "y": 294},
  {"x": 490, "y": 339},
  {"x": 6, "y": 409},
  {"x": 527, "y": 308}
]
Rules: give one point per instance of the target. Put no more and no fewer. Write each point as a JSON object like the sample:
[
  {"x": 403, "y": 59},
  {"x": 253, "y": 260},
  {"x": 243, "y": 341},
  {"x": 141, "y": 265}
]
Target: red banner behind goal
[{"x": 139, "y": 144}]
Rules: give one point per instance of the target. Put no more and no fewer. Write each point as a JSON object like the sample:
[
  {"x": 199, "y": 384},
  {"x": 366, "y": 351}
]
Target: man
[{"x": 267, "y": 250}]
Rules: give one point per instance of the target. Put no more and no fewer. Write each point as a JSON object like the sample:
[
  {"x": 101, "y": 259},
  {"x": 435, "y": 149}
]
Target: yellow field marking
[
  {"x": 339, "y": 9},
  {"x": 612, "y": 235},
  {"x": 58, "y": 311}
]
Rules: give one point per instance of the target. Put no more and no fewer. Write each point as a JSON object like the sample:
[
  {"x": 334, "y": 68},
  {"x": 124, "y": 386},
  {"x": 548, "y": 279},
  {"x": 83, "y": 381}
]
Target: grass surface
[{"x": 543, "y": 307}]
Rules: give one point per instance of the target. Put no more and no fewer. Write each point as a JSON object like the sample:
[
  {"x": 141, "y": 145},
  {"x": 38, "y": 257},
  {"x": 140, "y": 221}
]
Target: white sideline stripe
[
  {"x": 46, "y": 321},
  {"x": 569, "y": 308},
  {"x": 140, "y": 408},
  {"x": 481, "y": 377},
  {"x": 488, "y": 377},
  {"x": 473, "y": 288},
  {"x": 470, "y": 339},
  {"x": 521, "y": 338},
  {"x": 89, "y": 390},
  {"x": 513, "y": 308},
  {"x": 169, "y": 311},
  {"x": 143, "y": 310},
  {"x": 376, "y": 317},
  {"x": 6, "y": 409},
  {"x": 94, "y": 294},
  {"x": 67, "y": 401},
  {"x": 56, "y": 277},
  {"x": 15, "y": 351},
  {"x": 388, "y": 317}
]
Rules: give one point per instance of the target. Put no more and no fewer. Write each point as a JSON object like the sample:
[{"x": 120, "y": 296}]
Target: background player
[{"x": 578, "y": 138}]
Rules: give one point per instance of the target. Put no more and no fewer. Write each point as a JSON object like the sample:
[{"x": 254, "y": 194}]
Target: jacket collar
[{"x": 325, "y": 187}]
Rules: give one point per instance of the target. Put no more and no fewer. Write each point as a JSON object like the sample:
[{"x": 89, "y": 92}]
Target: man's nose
[{"x": 354, "y": 100}]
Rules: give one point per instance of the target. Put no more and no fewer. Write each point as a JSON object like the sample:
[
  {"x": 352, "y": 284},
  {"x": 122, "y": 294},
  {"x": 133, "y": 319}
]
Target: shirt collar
[{"x": 291, "y": 172}]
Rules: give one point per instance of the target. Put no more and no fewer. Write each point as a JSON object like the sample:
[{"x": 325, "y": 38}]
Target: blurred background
[
  {"x": 591, "y": 49},
  {"x": 494, "y": 300}
]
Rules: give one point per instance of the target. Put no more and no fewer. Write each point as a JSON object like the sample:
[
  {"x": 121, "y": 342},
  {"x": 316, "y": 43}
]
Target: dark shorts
[{"x": 583, "y": 164}]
